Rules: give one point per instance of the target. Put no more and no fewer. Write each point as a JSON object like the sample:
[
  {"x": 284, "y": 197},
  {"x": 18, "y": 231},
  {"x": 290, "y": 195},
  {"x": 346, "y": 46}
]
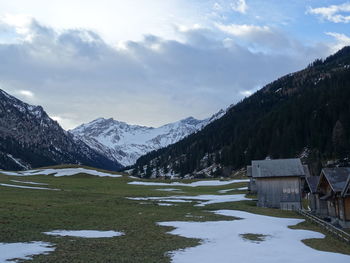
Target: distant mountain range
[
  {"x": 304, "y": 114},
  {"x": 125, "y": 143},
  {"x": 29, "y": 138}
]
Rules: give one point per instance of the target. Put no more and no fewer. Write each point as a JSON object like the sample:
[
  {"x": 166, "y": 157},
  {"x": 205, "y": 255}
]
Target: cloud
[
  {"x": 21, "y": 25},
  {"x": 239, "y": 6},
  {"x": 341, "y": 40},
  {"x": 333, "y": 13},
  {"x": 217, "y": 6},
  {"x": 114, "y": 20},
  {"x": 243, "y": 30},
  {"x": 65, "y": 122},
  {"x": 262, "y": 38},
  {"x": 248, "y": 92},
  {"x": 26, "y": 93},
  {"x": 152, "y": 81}
]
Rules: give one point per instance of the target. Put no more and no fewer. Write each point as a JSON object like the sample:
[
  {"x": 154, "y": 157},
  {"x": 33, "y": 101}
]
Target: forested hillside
[
  {"x": 29, "y": 138},
  {"x": 302, "y": 114}
]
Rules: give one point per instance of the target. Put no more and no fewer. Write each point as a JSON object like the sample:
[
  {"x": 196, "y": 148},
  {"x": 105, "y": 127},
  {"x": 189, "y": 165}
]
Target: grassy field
[{"x": 89, "y": 202}]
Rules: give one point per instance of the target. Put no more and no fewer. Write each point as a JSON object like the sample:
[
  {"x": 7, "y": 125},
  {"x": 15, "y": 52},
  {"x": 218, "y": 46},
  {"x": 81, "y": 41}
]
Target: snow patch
[
  {"x": 165, "y": 204},
  {"x": 202, "y": 200},
  {"x": 85, "y": 233},
  {"x": 29, "y": 187},
  {"x": 222, "y": 241},
  {"x": 9, "y": 251},
  {"x": 194, "y": 184},
  {"x": 232, "y": 189},
  {"x": 18, "y": 161},
  {"x": 60, "y": 172},
  {"x": 169, "y": 190},
  {"x": 25, "y": 182},
  {"x": 159, "y": 199},
  {"x": 226, "y": 190}
]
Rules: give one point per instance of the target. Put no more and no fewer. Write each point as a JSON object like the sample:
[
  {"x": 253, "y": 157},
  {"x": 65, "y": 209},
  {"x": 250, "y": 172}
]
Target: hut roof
[
  {"x": 306, "y": 170},
  {"x": 336, "y": 177},
  {"x": 312, "y": 182},
  {"x": 277, "y": 168}
]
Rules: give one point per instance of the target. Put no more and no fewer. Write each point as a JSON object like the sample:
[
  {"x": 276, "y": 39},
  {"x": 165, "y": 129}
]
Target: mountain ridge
[
  {"x": 29, "y": 138},
  {"x": 125, "y": 143}
]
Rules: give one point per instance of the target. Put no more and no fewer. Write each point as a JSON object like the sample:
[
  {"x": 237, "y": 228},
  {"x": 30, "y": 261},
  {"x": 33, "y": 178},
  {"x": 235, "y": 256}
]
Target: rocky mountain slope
[
  {"x": 125, "y": 143},
  {"x": 302, "y": 114},
  {"x": 29, "y": 139}
]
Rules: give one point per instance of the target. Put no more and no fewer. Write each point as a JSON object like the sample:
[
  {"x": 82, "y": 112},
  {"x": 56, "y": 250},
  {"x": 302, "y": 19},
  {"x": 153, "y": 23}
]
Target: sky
[{"x": 151, "y": 62}]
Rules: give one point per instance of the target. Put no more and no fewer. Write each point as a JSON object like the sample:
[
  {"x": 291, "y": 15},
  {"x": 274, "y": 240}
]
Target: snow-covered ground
[
  {"x": 159, "y": 199},
  {"x": 194, "y": 184},
  {"x": 165, "y": 204},
  {"x": 169, "y": 190},
  {"x": 60, "y": 172},
  {"x": 232, "y": 189},
  {"x": 10, "y": 251},
  {"x": 29, "y": 187},
  {"x": 26, "y": 182},
  {"x": 85, "y": 233},
  {"x": 222, "y": 241},
  {"x": 201, "y": 199}
]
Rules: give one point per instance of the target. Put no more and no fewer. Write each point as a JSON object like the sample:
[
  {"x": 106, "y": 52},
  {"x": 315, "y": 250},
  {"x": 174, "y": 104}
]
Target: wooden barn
[
  {"x": 334, "y": 195},
  {"x": 279, "y": 183},
  {"x": 252, "y": 181}
]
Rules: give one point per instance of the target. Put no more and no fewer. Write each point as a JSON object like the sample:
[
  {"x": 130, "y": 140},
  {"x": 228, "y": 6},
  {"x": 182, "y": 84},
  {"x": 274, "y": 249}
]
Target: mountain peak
[
  {"x": 101, "y": 119},
  {"x": 125, "y": 143},
  {"x": 190, "y": 120}
]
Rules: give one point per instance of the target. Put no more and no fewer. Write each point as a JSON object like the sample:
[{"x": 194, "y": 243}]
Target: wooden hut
[
  {"x": 333, "y": 195},
  {"x": 279, "y": 183}
]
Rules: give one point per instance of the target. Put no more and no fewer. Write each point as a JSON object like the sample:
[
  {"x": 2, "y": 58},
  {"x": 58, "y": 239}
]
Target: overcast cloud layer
[{"x": 205, "y": 56}]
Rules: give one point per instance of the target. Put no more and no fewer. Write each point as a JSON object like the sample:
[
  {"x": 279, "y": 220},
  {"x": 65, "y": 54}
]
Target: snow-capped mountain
[
  {"x": 30, "y": 138},
  {"x": 125, "y": 143}
]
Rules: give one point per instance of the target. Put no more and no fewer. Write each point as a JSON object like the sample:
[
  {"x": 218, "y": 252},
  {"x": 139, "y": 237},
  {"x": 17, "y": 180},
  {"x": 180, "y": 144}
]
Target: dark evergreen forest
[{"x": 308, "y": 111}]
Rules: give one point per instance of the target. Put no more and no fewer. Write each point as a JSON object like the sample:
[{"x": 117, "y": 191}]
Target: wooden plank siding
[
  {"x": 280, "y": 192},
  {"x": 347, "y": 208},
  {"x": 333, "y": 199}
]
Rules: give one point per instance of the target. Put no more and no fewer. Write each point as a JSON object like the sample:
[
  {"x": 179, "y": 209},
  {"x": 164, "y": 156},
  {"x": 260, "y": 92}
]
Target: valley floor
[{"x": 94, "y": 216}]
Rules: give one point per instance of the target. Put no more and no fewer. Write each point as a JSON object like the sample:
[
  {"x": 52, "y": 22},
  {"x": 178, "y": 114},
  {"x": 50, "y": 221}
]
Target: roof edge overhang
[
  {"x": 323, "y": 175},
  {"x": 286, "y": 176},
  {"x": 346, "y": 187}
]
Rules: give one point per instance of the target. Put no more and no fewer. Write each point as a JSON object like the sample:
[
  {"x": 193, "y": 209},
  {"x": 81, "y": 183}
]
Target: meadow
[{"x": 86, "y": 202}]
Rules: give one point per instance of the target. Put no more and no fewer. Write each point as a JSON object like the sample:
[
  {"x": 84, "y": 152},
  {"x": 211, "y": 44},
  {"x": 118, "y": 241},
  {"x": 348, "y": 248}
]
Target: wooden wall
[
  {"x": 252, "y": 185},
  {"x": 281, "y": 192},
  {"x": 347, "y": 207}
]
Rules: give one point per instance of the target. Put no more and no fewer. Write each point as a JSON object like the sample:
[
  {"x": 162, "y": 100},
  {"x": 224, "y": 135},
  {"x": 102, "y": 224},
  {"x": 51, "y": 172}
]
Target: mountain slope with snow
[
  {"x": 29, "y": 138},
  {"x": 303, "y": 114},
  {"x": 125, "y": 143}
]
